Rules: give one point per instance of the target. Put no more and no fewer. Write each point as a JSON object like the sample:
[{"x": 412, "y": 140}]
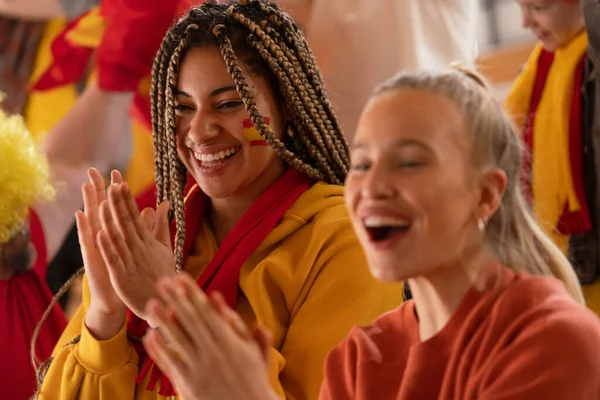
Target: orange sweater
[{"x": 525, "y": 339}]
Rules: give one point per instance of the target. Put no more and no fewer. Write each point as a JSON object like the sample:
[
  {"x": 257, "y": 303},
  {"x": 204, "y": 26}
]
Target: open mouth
[
  {"x": 210, "y": 160},
  {"x": 381, "y": 229}
]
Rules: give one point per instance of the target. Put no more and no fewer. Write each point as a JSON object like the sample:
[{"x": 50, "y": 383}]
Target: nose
[
  {"x": 378, "y": 182},
  {"x": 202, "y": 129}
]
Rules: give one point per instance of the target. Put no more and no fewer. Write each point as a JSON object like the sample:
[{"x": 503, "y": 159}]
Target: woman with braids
[
  {"x": 250, "y": 162},
  {"x": 497, "y": 311}
]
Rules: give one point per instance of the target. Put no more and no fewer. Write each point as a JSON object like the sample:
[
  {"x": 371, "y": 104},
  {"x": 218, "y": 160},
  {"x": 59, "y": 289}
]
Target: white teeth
[
  {"x": 211, "y": 157},
  {"x": 380, "y": 221}
]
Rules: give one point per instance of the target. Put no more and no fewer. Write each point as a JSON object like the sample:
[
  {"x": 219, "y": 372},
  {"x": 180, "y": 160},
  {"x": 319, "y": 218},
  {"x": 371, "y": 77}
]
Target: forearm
[
  {"x": 89, "y": 134},
  {"x": 92, "y": 134},
  {"x": 31, "y": 9}
]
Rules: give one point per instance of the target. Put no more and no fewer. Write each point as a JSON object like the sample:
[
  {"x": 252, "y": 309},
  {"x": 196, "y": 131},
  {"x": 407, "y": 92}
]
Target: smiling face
[
  {"x": 213, "y": 139},
  {"x": 411, "y": 191},
  {"x": 553, "y": 22}
]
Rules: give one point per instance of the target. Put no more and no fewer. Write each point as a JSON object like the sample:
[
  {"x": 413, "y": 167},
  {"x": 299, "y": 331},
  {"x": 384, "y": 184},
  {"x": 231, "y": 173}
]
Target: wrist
[{"x": 103, "y": 325}]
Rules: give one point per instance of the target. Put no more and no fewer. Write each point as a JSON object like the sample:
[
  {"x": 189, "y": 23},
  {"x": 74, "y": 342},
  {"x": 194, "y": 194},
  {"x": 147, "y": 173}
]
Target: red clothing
[
  {"x": 23, "y": 300},
  {"x": 524, "y": 339}
]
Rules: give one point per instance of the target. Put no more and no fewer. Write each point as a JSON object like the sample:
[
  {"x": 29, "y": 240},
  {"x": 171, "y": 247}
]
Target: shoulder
[
  {"x": 323, "y": 205},
  {"x": 379, "y": 342},
  {"x": 534, "y": 341},
  {"x": 322, "y": 210},
  {"x": 540, "y": 315},
  {"x": 530, "y": 293},
  {"x": 320, "y": 200}
]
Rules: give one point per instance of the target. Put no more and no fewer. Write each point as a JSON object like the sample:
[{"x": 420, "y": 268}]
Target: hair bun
[{"x": 470, "y": 73}]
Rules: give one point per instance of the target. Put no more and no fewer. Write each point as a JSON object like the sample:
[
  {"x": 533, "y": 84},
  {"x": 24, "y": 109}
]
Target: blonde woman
[{"x": 435, "y": 199}]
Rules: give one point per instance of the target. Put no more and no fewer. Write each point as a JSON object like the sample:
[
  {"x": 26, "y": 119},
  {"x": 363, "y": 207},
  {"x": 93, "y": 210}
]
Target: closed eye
[
  {"x": 360, "y": 167},
  {"x": 182, "y": 107},
  {"x": 230, "y": 105},
  {"x": 410, "y": 164}
]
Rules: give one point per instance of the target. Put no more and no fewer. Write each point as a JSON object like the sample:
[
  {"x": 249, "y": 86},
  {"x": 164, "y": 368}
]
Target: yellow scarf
[{"x": 551, "y": 177}]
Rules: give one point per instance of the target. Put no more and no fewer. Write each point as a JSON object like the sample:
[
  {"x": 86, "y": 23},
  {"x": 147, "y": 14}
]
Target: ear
[{"x": 492, "y": 187}]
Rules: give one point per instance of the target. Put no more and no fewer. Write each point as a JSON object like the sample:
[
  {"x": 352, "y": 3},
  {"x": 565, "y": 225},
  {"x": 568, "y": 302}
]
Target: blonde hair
[
  {"x": 24, "y": 176},
  {"x": 512, "y": 234}
]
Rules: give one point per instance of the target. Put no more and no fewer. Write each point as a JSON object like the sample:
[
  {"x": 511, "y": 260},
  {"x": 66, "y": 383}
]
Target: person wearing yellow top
[
  {"x": 553, "y": 102},
  {"x": 250, "y": 162}
]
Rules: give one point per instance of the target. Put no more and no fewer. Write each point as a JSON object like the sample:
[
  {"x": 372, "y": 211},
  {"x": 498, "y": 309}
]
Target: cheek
[
  {"x": 560, "y": 25},
  {"x": 445, "y": 206},
  {"x": 251, "y": 135},
  {"x": 182, "y": 149},
  {"x": 351, "y": 188}
]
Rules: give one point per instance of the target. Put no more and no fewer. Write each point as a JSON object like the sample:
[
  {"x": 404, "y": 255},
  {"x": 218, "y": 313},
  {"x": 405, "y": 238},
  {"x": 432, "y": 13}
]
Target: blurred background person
[
  {"x": 24, "y": 296},
  {"x": 359, "y": 43},
  {"x": 553, "y": 101}
]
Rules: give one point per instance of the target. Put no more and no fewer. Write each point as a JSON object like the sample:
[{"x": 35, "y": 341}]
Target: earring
[{"x": 481, "y": 224}]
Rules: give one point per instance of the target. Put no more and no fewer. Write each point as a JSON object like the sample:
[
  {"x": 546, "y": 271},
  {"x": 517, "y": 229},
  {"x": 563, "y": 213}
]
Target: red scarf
[
  {"x": 570, "y": 222},
  {"x": 23, "y": 300},
  {"x": 223, "y": 272}
]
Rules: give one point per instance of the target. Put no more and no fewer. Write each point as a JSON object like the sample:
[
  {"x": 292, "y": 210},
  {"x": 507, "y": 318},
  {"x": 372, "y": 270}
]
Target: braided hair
[{"x": 267, "y": 42}]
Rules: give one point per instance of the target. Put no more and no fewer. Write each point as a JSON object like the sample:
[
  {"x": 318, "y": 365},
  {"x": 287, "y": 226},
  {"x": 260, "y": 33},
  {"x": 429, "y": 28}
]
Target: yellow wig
[{"x": 24, "y": 175}]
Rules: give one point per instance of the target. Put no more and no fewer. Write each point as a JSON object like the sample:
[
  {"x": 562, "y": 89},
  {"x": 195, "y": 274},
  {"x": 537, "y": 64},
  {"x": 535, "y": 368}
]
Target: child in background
[{"x": 553, "y": 103}]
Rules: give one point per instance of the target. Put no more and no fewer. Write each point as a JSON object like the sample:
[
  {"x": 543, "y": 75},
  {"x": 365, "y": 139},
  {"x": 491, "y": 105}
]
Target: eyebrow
[
  {"x": 398, "y": 143},
  {"x": 214, "y": 93}
]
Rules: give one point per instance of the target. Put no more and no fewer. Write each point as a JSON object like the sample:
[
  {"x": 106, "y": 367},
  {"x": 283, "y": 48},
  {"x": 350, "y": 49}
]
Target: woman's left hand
[
  {"x": 210, "y": 354},
  {"x": 136, "y": 248}
]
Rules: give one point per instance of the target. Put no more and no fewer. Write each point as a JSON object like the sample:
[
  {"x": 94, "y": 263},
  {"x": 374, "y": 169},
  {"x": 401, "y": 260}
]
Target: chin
[
  {"x": 216, "y": 190},
  {"x": 551, "y": 43},
  {"x": 389, "y": 272}
]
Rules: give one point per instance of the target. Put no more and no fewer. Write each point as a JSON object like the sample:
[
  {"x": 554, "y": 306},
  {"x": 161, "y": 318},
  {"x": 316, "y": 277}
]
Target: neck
[
  {"x": 226, "y": 212},
  {"x": 438, "y": 295}
]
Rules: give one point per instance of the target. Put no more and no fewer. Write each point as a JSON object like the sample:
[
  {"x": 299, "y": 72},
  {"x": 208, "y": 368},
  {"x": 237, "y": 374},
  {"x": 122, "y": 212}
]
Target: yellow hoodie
[{"x": 308, "y": 282}]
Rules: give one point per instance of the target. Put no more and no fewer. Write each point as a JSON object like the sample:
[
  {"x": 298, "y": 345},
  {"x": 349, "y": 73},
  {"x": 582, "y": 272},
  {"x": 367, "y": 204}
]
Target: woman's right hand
[{"x": 106, "y": 312}]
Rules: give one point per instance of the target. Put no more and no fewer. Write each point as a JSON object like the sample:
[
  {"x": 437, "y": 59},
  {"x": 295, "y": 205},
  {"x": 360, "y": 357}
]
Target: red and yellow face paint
[{"x": 252, "y": 134}]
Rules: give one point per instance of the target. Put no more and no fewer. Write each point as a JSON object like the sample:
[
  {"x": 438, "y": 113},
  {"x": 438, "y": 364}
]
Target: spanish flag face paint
[{"x": 252, "y": 134}]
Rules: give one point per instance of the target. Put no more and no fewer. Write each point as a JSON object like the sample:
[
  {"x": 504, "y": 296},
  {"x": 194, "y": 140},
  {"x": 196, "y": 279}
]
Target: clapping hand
[
  {"x": 205, "y": 349},
  {"x": 135, "y": 247},
  {"x": 106, "y": 312}
]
